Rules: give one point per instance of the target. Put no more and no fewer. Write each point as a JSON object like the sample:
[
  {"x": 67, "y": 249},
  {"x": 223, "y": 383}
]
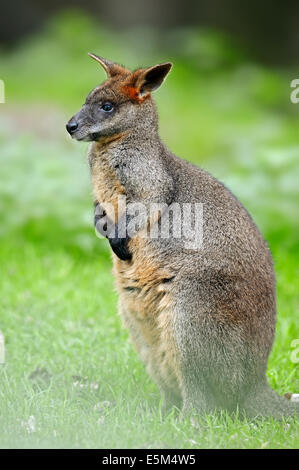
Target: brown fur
[
  {"x": 144, "y": 298},
  {"x": 203, "y": 320},
  {"x": 107, "y": 187}
]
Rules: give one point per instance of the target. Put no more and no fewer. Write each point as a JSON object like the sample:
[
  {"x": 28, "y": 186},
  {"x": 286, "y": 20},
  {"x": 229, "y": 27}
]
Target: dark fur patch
[
  {"x": 132, "y": 289},
  {"x": 118, "y": 245},
  {"x": 120, "y": 248},
  {"x": 167, "y": 279}
]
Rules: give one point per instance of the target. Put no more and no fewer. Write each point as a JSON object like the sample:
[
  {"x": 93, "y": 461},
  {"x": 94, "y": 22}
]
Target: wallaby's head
[{"x": 121, "y": 103}]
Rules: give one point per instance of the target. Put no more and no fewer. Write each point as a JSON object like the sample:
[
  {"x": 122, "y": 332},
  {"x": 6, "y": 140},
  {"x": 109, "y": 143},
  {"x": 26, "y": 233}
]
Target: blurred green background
[{"x": 71, "y": 377}]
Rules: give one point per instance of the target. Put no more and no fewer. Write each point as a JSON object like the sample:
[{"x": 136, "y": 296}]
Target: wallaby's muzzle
[
  {"x": 72, "y": 126},
  {"x": 79, "y": 126}
]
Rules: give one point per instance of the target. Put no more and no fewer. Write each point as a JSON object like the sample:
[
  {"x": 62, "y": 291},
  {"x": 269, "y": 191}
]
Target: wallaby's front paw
[
  {"x": 100, "y": 220},
  {"x": 109, "y": 230}
]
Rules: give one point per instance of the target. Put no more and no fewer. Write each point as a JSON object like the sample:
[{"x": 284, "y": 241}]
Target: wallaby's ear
[
  {"x": 111, "y": 68},
  {"x": 151, "y": 78}
]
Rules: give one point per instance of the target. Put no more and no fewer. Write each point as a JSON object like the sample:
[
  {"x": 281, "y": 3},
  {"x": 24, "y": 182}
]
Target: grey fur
[{"x": 223, "y": 294}]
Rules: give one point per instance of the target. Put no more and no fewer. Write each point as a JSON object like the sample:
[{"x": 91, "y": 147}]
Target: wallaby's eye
[{"x": 107, "y": 107}]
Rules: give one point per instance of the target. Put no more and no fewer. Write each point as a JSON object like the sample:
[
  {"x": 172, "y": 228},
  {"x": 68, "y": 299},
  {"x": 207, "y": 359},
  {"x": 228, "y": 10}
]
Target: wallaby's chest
[
  {"x": 106, "y": 185},
  {"x": 144, "y": 285}
]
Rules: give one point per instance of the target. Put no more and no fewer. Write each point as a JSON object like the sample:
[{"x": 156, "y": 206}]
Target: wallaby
[{"x": 201, "y": 318}]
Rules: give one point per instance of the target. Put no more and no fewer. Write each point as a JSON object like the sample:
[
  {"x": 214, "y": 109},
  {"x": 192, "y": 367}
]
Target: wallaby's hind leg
[
  {"x": 149, "y": 353},
  {"x": 211, "y": 361},
  {"x": 218, "y": 359},
  {"x": 170, "y": 399},
  {"x": 195, "y": 391}
]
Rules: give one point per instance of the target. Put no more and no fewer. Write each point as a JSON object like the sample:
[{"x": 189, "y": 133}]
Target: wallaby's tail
[{"x": 264, "y": 402}]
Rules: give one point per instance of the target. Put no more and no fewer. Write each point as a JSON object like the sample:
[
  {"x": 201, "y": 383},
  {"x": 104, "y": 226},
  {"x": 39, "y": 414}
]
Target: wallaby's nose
[{"x": 71, "y": 126}]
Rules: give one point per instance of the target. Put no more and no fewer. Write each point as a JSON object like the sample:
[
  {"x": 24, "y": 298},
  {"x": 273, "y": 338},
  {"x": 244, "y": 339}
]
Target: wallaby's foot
[
  {"x": 195, "y": 407},
  {"x": 170, "y": 400},
  {"x": 266, "y": 405},
  {"x": 196, "y": 397},
  {"x": 105, "y": 227},
  {"x": 264, "y": 402}
]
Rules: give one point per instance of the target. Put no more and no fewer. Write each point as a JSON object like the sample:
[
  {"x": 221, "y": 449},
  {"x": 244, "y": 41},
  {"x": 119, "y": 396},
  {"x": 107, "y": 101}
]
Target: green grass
[
  {"x": 70, "y": 364},
  {"x": 71, "y": 377}
]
